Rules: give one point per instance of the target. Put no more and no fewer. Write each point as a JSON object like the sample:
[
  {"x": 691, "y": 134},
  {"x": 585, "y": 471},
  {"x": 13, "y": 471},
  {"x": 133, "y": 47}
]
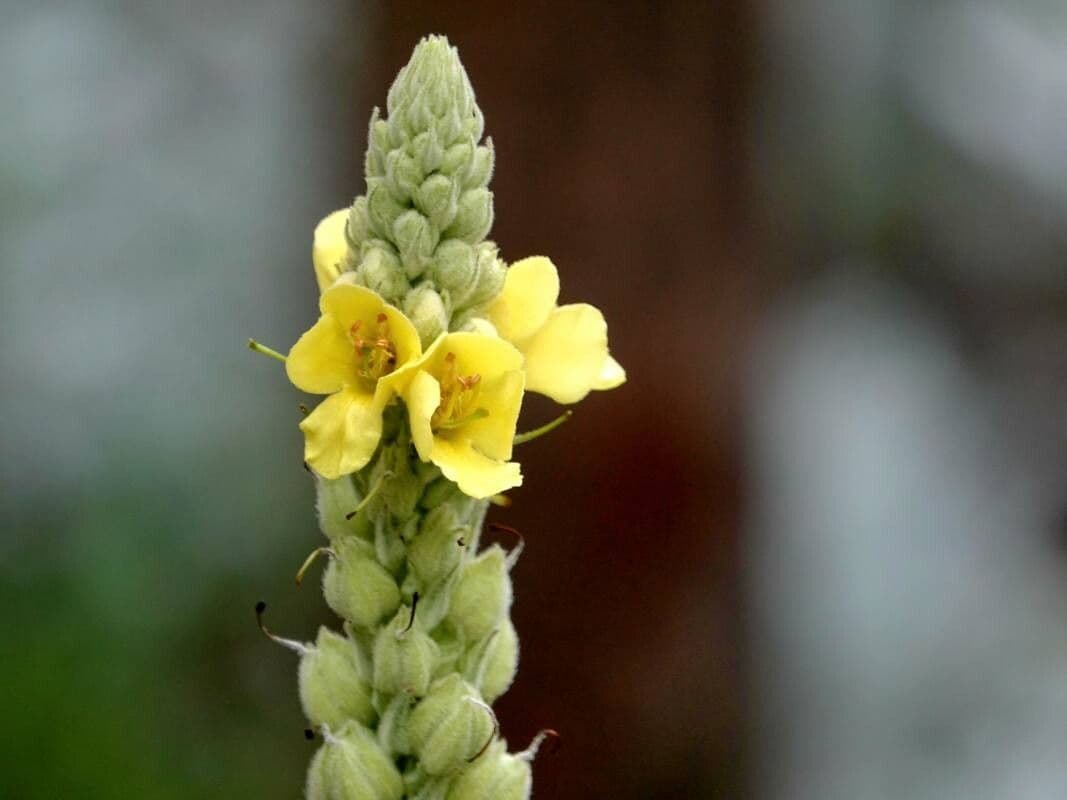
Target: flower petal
[
  {"x": 478, "y": 354},
  {"x": 565, "y": 358},
  {"x": 422, "y": 396},
  {"x": 348, "y": 304},
  {"x": 329, "y": 249},
  {"x": 531, "y": 288},
  {"x": 341, "y": 435},
  {"x": 475, "y": 474},
  {"x": 611, "y": 375},
  {"x": 321, "y": 361},
  {"x": 494, "y": 435}
]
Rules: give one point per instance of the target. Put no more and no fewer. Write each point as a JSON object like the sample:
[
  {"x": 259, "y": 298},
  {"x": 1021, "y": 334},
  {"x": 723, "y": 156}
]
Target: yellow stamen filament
[
  {"x": 376, "y": 354},
  {"x": 459, "y": 396}
]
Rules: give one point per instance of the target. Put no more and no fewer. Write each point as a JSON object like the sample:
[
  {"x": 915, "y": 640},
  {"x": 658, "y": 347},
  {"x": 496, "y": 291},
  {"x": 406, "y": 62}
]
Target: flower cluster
[
  {"x": 425, "y": 344},
  {"x": 464, "y": 393}
]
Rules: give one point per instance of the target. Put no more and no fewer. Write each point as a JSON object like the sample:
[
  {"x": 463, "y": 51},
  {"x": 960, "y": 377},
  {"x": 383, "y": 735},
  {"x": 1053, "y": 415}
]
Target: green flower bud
[
  {"x": 334, "y": 500},
  {"x": 489, "y": 276},
  {"x": 403, "y": 657},
  {"x": 490, "y": 667},
  {"x": 393, "y": 725},
  {"x": 482, "y": 596},
  {"x": 351, "y": 765},
  {"x": 415, "y": 237},
  {"x": 450, "y": 649},
  {"x": 381, "y": 272},
  {"x": 480, "y": 171},
  {"x": 427, "y": 150},
  {"x": 333, "y": 689},
  {"x": 402, "y": 175},
  {"x": 496, "y": 775},
  {"x": 357, "y": 587},
  {"x": 457, "y": 159},
  {"x": 382, "y": 208},
  {"x": 449, "y": 726},
  {"x": 437, "y": 198},
  {"x": 426, "y": 310},
  {"x": 378, "y": 144},
  {"x": 474, "y": 217},
  {"x": 359, "y": 229},
  {"x": 436, "y": 550}
]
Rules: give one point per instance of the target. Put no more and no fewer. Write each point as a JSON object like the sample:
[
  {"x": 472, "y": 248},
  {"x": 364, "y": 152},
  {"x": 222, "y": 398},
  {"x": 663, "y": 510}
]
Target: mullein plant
[{"x": 425, "y": 344}]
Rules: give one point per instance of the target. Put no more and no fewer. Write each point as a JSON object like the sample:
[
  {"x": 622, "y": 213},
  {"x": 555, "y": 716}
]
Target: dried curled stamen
[
  {"x": 516, "y": 551},
  {"x": 530, "y": 753},
  {"x": 289, "y": 644},
  {"x": 496, "y": 727}
]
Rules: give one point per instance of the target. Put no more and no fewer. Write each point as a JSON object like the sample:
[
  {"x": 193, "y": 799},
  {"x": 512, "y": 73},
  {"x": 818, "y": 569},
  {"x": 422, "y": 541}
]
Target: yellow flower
[
  {"x": 463, "y": 399},
  {"x": 565, "y": 347},
  {"x": 329, "y": 249},
  {"x": 358, "y": 341}
]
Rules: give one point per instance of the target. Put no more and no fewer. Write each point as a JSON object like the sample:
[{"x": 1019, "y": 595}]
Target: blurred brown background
[{"x": 813, "y": 548}]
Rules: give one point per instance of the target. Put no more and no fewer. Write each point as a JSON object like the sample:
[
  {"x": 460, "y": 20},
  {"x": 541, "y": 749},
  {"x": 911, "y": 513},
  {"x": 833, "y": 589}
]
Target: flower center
[
  {"x": 459, "y": 398},
  {"x": 375, "y": 354}
]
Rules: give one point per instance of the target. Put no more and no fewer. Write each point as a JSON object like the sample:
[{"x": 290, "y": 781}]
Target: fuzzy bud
[
  {"x": 474, "y": 217},
  {"x": 335, "y": 498},
  {"x": 496, "y": 775},
  {"x": 437, "y": 549},
  {"x": 351, "y": 765},
  {"x": 380, "y": 271},
  {"x": 480, "y": 170},
  {"x": 357, "y": 587},
  {"x": 382, "y": 208},
  {"x": 437, "y": 198},
  {"x": 359, "y": 228},
  {"x": 333, "y": 689},
  {"x": 482, "y": 596},
  {"x": 489, "y": 280},
  {"x": 415, "y": 237},
  {"x": 402, "y": 175},
  {"x": 449, "y": 726},
  {"x": 426, "y": 310},
  {"x": 403, "y": 658},
  {"x": 491, "y": 666}
]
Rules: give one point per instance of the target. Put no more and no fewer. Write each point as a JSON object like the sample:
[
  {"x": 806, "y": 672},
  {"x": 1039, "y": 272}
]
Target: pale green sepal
[
  {"x": 357, "y": 587},
  {"x": 490, "y": 666},
  {"x": 333, "y": 686},
  {"x": 449, "y": 726},
  {"x": 482, "y": 595},
  {"x": 495, "y": 775},
  {"x": 335, "y": 499},
  {"x": 351, "y": 765},
  {"x": 403, "y": 658}
]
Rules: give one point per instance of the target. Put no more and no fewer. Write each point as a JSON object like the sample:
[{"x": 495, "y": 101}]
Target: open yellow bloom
[
  {"x": 463, "y": 399},
  {"x": 565, "y": 347},
  {"x": 358, "y": 341},
  {"x": 329, "y": 248}
]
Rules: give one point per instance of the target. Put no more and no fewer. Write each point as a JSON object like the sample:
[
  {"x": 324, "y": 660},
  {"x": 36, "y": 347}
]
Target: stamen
[
  {"x": 516, "y": 551},
  {"x": 536, "y": 433},
  {"x": 496, "y": 727},
  {"x": 370, "y": 495},
  {"x": 500, "y": 500},
  {"x": 411, "y": 621},
  {"x": 530, "y": 753},
  {"x": 291, "y": 644},
  {"x": 263, "y": 350},
  {"x": 478, "y": 413},
  {"x": 318, "y": 551}
]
